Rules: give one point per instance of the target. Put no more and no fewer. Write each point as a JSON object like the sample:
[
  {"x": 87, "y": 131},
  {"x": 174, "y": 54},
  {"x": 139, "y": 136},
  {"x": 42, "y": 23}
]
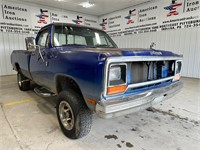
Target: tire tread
[{"x": 80, "y": 110}]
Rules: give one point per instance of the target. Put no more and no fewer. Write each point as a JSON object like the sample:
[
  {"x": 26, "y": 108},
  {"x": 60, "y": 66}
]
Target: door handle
[{"x": 41, "y": 55}]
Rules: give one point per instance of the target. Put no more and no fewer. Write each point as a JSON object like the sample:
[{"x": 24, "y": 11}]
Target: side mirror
[{"x": 30, "y": 44}]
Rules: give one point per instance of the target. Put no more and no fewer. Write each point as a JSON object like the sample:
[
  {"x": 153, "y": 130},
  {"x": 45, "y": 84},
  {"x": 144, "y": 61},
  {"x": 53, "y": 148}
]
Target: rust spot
[
  {"x": 118, "y": 145},
  {"x": 129, "y": 144},
  {"x": 133, "y": 129},
  {"x": 53, "y": 129},
  {"x": 111, "y": 137},
  {"x": 173, "y": 116},
  {"x": 141, "y": 136}
]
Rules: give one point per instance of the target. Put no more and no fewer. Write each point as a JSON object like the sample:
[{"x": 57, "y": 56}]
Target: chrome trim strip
[
  {"x": 141, "y": 58},
  {"x": 149, "y": 82},
  {"x": 25, "y": 80},
  {"x": 125, "y": 59}
]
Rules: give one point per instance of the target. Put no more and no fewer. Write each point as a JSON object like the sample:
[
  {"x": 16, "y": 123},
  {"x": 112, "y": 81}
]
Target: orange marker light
[
  {"x": 92, "y": 102},
  {"x": 116, "y": 89}
]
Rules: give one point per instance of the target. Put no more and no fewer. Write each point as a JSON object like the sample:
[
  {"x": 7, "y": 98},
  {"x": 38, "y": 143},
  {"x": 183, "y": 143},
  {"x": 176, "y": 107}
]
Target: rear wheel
[
  {"x": 23, "y": 82},
  {"x": 73, "y": 115}
]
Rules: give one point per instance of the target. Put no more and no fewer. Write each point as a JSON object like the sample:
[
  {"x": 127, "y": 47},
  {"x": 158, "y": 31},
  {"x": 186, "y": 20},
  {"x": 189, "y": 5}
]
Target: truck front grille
[
  {"x": 142, "y": 71},
  {"x": 151, "y": 70}
]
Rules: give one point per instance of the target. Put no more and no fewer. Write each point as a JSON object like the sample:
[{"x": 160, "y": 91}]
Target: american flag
[
  {"x": 42, "y": 16},
  {"x": 172, "y": 8}
]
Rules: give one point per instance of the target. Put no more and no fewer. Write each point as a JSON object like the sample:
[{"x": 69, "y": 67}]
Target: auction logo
[
  {"x": 104, "y": 23},
  {"x": 78, "y": 20},
  {"x": 130, "y": 15},
  {"x": 172, "y": 8},
  {"x": 42, "y": 16}
]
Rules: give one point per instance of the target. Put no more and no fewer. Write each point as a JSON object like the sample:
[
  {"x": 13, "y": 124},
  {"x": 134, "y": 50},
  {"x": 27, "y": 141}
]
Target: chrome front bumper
[{"x": 126, "y": 105}]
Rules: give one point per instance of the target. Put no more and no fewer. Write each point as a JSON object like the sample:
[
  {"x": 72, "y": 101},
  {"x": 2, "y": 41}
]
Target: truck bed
[{"x": 22, "y": 58}]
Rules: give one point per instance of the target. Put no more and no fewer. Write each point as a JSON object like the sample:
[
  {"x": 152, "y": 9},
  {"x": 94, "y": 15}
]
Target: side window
[
  {"x": 43, "y": 38},
  {"x": 60, "y": 36},
  {"x": 64, "y": 35}
]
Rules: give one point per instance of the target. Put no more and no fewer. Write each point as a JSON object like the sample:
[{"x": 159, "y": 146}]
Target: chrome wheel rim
[
  {"x": 66, "y": 115},
  {"x": 19, "y": 80}
]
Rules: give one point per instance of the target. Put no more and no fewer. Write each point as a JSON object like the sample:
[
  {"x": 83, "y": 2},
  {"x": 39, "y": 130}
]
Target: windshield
[{"x": 65, "y": 35}]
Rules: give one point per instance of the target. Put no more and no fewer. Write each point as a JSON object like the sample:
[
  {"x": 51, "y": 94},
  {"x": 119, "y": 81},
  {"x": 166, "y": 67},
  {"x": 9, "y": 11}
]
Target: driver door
[{"x": 38, "y": 61}]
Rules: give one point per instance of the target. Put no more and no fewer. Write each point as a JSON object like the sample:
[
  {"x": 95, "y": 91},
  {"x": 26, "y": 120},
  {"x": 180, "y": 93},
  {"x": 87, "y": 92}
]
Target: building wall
[
  {"x": 183, "y": 41},
  {"x": 10, "y": 42}
]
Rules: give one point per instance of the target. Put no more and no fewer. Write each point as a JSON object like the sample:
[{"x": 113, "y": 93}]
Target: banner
[
  {"x": 15, "y": 18},
  {"x": 152, "y": 17},
  {"x": 20, "y": 18}
]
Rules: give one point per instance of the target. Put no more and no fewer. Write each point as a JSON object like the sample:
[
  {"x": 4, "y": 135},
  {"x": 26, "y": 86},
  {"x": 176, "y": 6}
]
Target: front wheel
[
  {"x": 23, "y": 82},
  {"x": 73, "y": 115}
]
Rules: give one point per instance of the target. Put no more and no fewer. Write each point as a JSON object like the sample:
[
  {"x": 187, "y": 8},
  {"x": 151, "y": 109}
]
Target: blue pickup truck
[{"x": 84, "y": 67}]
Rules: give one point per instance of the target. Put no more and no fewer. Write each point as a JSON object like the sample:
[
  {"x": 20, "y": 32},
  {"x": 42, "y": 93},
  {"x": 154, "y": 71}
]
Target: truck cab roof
[{"x": 72, "y": 25}]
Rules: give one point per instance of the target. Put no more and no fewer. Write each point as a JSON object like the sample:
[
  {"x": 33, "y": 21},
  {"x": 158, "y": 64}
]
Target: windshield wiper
[
  {"x": 95, "y": 46},
  {"x": 103, "y": 45},
  {"x": 74, "y": 45}
]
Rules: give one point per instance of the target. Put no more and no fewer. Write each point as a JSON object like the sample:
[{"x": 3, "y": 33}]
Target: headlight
[
  {"x": 115, "y": 73},
  {"x": 178, "y": 67},
  {"x": 177, "y": 70},
  {"x": 117, "y": 79}
]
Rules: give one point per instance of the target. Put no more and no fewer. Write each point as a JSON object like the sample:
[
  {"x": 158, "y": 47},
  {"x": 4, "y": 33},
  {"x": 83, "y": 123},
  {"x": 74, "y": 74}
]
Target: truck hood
[{"x": 114, "y": 52}]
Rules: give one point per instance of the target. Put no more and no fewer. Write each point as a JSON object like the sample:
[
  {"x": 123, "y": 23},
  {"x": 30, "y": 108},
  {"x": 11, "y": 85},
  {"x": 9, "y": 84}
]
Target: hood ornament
[{"x": 152, "y": 45}]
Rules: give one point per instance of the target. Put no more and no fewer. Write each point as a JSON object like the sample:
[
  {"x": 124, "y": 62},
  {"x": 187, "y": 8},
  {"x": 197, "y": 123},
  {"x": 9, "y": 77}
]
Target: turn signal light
[
  {"x": 117, "y": 89},
  {"x": 92, "y": 102},
  {"x": 177, "y": 77}
]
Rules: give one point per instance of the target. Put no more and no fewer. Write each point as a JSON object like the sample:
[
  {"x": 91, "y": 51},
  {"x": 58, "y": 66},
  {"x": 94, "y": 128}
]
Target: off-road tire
[
  {"x": 81, "y": 114},
  {"x": 23, "y": 82}
]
